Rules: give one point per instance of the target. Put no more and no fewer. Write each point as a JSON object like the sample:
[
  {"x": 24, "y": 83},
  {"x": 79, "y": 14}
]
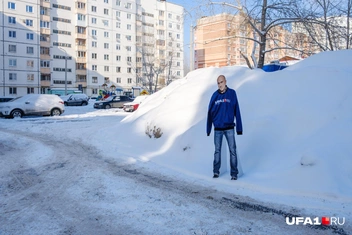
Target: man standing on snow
[{"x": 222, "y": 110}]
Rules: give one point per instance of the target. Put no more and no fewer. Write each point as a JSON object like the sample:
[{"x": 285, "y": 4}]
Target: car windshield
[{"x": 15, "y": 99}]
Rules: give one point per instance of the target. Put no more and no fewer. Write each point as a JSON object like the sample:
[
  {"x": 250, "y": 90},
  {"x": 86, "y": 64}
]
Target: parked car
[
  {"x": 132, "y": 106},
  {"x": 112, "y": 102},
  {"x": 5, "y": 98},
  {"x": 32, "y": 104},
  {"x": 75, "y": 100}
]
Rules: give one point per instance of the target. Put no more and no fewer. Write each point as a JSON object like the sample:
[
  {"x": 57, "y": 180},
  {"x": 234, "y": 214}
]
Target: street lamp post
[{"x": 65, "y": 69}]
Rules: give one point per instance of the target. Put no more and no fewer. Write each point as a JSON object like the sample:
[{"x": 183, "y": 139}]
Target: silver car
[{"x": 33, "y": 105}]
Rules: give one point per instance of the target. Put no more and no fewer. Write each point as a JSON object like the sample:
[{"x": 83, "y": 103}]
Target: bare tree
[{"x": 267, "y": 17}]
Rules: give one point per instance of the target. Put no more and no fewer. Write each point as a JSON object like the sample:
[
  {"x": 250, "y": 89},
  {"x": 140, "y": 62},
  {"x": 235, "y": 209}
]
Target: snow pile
[{"x": 297, "y": 126}]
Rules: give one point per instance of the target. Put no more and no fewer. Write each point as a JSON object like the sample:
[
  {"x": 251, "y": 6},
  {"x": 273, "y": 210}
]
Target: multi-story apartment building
[
  {"x": 19, "y": 47},
  {"x": 221, "y": 39},
  {"x": 51, "y": 45}
]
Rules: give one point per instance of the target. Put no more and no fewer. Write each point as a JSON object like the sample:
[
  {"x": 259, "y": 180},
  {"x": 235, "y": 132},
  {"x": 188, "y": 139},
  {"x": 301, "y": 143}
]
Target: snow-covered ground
[{"x": 295, "y": 152}]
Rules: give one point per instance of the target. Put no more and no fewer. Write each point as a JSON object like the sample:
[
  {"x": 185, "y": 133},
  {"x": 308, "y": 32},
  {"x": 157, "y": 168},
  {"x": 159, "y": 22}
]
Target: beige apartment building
[{"x": 216, "y": 45}]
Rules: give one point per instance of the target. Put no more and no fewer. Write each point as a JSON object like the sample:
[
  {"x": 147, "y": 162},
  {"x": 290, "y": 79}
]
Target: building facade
[
  {"x": 220, "y": 40},
  {"x": 88, "y": 45}
]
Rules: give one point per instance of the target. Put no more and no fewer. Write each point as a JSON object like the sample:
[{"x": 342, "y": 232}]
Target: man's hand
[{"x": 239, "y": 132}]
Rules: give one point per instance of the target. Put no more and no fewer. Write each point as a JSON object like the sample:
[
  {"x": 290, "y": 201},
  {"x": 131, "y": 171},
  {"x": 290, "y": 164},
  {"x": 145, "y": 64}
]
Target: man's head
[{"x": 222, "y": 83}]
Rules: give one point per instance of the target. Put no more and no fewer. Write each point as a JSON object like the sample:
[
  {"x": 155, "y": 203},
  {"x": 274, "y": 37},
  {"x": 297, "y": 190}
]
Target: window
[
  {"x": 12, "y": 62},
  {"x": 178, "y": 36},
  {"x": 106, "y": 11},
  {"x": 106, "y": 68},
  {"x": 118, "y": 14},
  {"x": 30, "y": 50},
  {"x": 118, "y": 36},
  {"x": 94, "y": 20},
  {"x": 12, "y": 20},
  {"x": 129, "y": 48},
  {"x": 106, "y": 34},
  {"x": 178, "y": 27},
  {"x": 129, "y": 80},
  {"x": 118, "y": 80},
  {"x": 94, "y": 91},
  {"x": 170, "y": 16},
  {"x": 12, "y": 90},
  {"x": 129, "y": 38},
  {"x": 129, "y": 27},
  {"x": 129, "y": 16},
  {"x": 118, "y": 25},
  {"x": 12, "y": 76},
  {"x": 30, "y": 90},
  {"x": 12, "y": 34},
  {"x": 118, "y": 69},
  {"x": 178, "y": 64},
  {"x": 129, "y": 70},
  {"x": 81, "y": 5},
  {"x": 128, "y": 6},
  {"x": 161, "y": 22},
  {"x": 94, "y": 67},
  {"x": 94, "y": 55},
  {"x": 94, "y": 32},
  {"x": 81, "y": 54},
  {"x": 106, "y": 45},
  {"x": 12, "y": 48},
  {"x": 29, "y": 22},
  {"x": 30, "y": 36},
  {"x": 44, "y": 24},
  {"x": 106, "y": 57},
  {"x": 29, "y": 9},
  {"x": 30, "y": 63},
  {"x": 118, "y": 47},
  {"x": 118, "y": 3},
  {"x": 170, "y": 25},
  {"x": 106, "y": 1},
  {"x": 106, "y": 22},
  {"x": 94, "y": 44},
  {"x": 129, "y": 58},
  {"x": 30, "y": 76},
  {"x": 118, "y": 58},
  {"x": 94, "y": 79},
  {"x": 45, "y": 63},
  {"x": 81, "y": 17},
  {"x": 11, "y": 5},
  {"x": 94, "y": 9}
]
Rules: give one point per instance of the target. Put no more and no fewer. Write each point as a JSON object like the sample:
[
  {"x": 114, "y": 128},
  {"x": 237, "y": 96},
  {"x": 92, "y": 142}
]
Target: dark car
[
  {"x": 75, "y": 100},
  {"x": 112, "y": 102}
]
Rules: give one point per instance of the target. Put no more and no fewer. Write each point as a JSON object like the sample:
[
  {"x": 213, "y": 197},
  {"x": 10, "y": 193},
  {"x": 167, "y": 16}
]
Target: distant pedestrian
[{"x": 222, "y": 111}]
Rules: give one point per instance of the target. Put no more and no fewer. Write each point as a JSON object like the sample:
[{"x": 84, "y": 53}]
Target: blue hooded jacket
[{"x": 222, "y": 110}]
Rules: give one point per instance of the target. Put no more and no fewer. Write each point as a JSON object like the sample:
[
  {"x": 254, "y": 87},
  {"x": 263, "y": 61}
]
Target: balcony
[
  {"x": 81, "y": 47},
  {"x": 81, "y": 72},
  {"x": 45, "y": 43},
  {"x": 45, "y": 18},
  {"x": 45, "y": 83},
  {"x": 45, "y": 70},
  {"x": 44, "y": 4},
  {"x": 44, "y": 56},
  {"x": 44, "y": 31},
  {"x": 81, "y": 11},
  {"x": 81, "y": 59},
  {"x": 81, "y": 35}
]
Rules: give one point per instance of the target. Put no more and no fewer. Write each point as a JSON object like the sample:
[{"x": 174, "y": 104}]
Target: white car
[
  {"x": 133, "y": 106},
  {"x": 34, "y": 105}
]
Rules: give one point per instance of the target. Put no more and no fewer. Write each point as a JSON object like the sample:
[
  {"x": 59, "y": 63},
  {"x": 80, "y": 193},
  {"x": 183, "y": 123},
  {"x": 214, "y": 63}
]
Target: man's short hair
[{"x": 223, "y": 76}]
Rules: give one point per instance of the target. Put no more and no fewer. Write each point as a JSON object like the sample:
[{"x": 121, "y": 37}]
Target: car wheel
[
  {"x": 84, "y": 103},
  {"x": 16, "y": 113},
  {"x": 55, "y": 112},
  {"x": 107, "y": 106}
]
